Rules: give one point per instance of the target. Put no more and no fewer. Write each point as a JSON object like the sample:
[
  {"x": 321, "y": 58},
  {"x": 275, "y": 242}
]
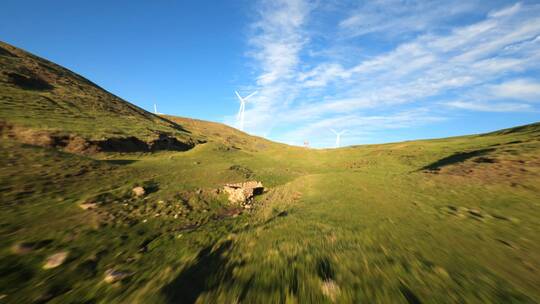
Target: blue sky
[{"x": 384, "y": 70}]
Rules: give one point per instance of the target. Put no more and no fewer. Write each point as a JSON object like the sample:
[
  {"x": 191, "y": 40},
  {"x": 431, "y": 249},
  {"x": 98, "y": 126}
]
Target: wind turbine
[
  {"x": 155, "y": 110},
  {"x": 338, "y": 136},
  {"x": 243, "y": 101}
]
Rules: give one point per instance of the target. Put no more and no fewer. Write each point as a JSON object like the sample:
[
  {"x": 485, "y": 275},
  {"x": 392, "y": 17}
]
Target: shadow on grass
[
  {"x": 121, "y": 162},
  {"x": 209, "y": 270},
  {"x": 409, "y": 295},
  {"x": 455, "y": 158}
]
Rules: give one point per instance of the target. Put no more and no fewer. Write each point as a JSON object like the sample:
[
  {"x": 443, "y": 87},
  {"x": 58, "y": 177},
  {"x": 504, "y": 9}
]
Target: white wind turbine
[
  {"x": 243, "y": 101},
  {"x": 155, "y": 110},
  {"x": 338, "y": 136}
]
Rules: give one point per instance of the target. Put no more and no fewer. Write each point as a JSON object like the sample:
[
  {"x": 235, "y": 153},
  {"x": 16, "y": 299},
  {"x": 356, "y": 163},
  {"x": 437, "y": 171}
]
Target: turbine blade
[
  {"x": 333, "y": 131},
  {"x": 246, "y": 98},
  {"x": 239, "y": 97}
]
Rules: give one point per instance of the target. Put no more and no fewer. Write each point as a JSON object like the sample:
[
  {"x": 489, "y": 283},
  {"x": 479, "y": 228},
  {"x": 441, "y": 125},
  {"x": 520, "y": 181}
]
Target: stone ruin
[{"x": 243, "y": 193}]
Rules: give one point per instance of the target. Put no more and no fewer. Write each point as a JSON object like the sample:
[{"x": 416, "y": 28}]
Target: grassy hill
[
  {"x": 46, "y": 104},
  {"x": 432, "y": 221}
]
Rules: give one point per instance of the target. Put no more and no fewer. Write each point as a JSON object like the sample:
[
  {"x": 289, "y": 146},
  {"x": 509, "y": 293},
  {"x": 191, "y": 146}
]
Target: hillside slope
[
  {"x": 451, "y": 220},
  {"x": 47, "y": 104}
]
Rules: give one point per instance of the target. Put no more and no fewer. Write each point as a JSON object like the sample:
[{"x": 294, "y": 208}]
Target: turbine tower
[
  {"x": 155, "y": 109},
  {"x": 338, "y": 136},
  {"x": 243, "y": 101}
]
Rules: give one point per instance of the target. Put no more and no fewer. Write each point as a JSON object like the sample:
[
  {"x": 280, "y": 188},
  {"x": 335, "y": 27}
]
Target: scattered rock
[
  {"x": 55, "y": 260},
  {"x": 486, "y": 160},
  {"x": 112, "y": 276},
  {"x": 283, "y": 213},
  {"x": 506, "y": 243},
  {"x": 441, "y": 271},
  {"x": 138, "y": 191},
  {"x": 500, "y": 217},
  {"x": 243, "y": 192},
  {"x": 88, "y": 205},
  {"x": 476, "y": 214},
  {"x": 330, "y": 289},
  {"x": 27, "y": 247},
  {"x": 22, "y": 248}
]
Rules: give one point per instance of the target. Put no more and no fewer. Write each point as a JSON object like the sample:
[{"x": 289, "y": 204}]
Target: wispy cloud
[
  {"x": 490, "y": 107},
  {"x": 395, "y": 17},
  {"x": 360, "y": 126},
  {"x": 276, "y": 42},
  {"x": 518, "y": 89},
  {"x": 480, "y": 65}
]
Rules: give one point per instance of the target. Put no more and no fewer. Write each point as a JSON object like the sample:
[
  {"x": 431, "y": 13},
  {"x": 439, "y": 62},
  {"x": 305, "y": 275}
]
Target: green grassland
[
  {"x": 38, "y": 94},
  {"x": 452, "y": 220}
]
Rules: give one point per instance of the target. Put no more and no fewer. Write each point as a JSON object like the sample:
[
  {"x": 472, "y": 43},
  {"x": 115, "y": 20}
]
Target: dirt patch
[
  {"x": 29, "y": 82},
  {"x": 484, "y": 160},
  {"x": 228, "y": 212},
  {"x": 4, "y": 52},
  {"x": 78, "y": 144},
  {"x": 246, "y": 172}
]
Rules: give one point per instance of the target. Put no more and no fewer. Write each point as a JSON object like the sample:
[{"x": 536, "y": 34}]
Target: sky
[{"x": 380, "y": 70}]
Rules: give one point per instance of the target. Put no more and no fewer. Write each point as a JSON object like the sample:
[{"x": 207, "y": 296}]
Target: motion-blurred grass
[{"x": 436, "y": 221}]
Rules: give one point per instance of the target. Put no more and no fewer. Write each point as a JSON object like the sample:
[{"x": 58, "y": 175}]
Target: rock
[
  {"x": 88, "y": 205},
  {"x": 243, "y": 192},
  {"x": 22, "y": 248},
  {"x": 476, "y": 214},
  {"x": 112, "y": 275},
  {"x": 55, "y": 260},
  {"x": 441, "y": 271},
  {"x": 138, "y": 191}
]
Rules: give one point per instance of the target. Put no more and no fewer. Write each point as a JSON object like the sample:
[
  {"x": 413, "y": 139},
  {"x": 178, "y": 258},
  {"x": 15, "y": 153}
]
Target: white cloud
[
  {"x": 278, "y": 39},
  {"x": 395, "y": 17},
  {"x": 490, "y": 107},
  {"x": 467, "y": 63},
  {"x": 506, "y": 11},
  {"x": 518, "y": 89},
  {"x": 276, "y": 42},
  {"x": 360, "y": 127}
]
